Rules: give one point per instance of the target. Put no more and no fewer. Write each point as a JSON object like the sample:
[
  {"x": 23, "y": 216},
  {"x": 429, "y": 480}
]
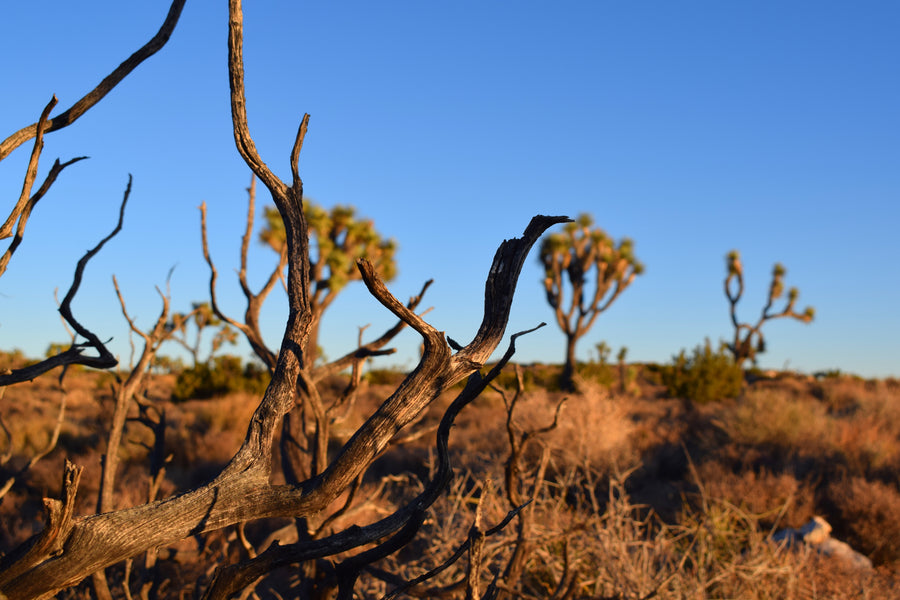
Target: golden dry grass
[{"x": 641, "y": 496}]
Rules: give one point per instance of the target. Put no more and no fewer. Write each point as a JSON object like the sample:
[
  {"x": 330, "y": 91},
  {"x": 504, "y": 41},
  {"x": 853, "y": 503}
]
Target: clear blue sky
[{"x": 691, "y": 127}]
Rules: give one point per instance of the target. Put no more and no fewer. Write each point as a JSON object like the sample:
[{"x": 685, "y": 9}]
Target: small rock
[{"x": 817, "y": 535}]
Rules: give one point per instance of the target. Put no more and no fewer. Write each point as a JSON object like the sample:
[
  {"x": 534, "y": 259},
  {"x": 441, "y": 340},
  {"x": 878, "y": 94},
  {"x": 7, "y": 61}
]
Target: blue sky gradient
[{"x": 694, "y": 128}]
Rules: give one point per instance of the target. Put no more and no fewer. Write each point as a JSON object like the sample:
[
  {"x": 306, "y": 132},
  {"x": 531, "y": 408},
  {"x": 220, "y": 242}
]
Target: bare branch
[
  {"x": 244, "y": 142},
  {"x": 109, "y": 82},
  {"x": 243, "y": 490},
  {"x": 405, "y": 521},
  {"x": 462, "y": 549},
  {"x": 250, "y": 327},
  {"x": 30, "y": 171},
  {"x": 104, "y": 358},
  {"x": 125, "y": 393},
  {"x": 500, "y": 287},
  {"x": 373, "y": 348}
]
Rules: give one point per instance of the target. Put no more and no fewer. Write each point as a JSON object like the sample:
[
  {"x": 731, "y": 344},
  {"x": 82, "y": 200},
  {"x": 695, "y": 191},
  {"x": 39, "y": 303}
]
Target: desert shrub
[
  {"x": 704, "y": 377},
  {"x": 828, "y": 374},
  {"x": 595, "y": 430},
  {"x": 226, "y": 374},
  {"x": 866, "y": 422},
  {"x": 168, "y": 364},
  {"x": 776, "y": 499},
  {"x": 868, "y": 444},
  {"x": 776, "y": 420},
  {"x": 546, "y": 377},
  {"x": 653, "y": 373},
  {"x": 598, "y": 372},
  {"x": 867, "y": 512},
  {"x": 841, "y": 395}
]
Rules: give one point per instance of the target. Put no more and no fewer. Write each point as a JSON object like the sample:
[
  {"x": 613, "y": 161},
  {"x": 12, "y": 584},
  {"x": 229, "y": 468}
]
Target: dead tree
[
  {"x": 125, "y": 393},
  {"x": 71, "y": 548}
]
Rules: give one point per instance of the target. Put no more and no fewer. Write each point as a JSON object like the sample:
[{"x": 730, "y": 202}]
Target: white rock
[{"x": 817, "y": 535}]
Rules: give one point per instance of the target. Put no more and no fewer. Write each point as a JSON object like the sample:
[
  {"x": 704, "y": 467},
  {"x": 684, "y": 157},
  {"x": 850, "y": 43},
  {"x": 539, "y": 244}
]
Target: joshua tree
[
  {"x": 306, "y": 456},
  {"x": 337, "y": 240},
  {"x": 748, "y": 339},
  {"x": 573, "y": 255},
  {"x": 202, "y": 318}
]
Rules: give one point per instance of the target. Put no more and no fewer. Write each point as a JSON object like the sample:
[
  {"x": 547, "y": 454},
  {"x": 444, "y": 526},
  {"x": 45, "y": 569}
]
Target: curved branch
[
  {"x": 401, "y": 525},
  {"x": 500, "y": 287},
  {"x": 242, "y": 139},
  {"x": 24, "y": 215},
  {"x": 250, "y": 327},
  {"x": 242, "y": 491},
  {"x": 30, "y": 171},
  {"x": 373, "y": 348},
  {"x": 109, "y": 82}
]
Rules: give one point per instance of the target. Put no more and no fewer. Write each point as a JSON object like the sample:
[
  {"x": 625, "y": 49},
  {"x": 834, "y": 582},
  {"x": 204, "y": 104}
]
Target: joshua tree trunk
[
  {"x": 567, "y": 377},
  {"x": 576, "y": 256}
]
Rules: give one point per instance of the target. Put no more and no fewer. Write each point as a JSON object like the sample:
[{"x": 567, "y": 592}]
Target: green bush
[
  {"x": 704, "y": 377},
  {"x": 226, "y": 374},
  {"x": 599, "y": 372}
]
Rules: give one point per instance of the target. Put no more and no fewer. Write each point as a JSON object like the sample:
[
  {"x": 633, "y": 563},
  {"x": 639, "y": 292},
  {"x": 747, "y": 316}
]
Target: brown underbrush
[{"x": 631, "y": 495}]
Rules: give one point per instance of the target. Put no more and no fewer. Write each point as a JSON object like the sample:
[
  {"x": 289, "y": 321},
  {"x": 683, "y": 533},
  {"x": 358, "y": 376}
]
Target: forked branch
[
  {"x": 30, "y": 171},
  {"x": 395, "y": 530},
  {"x": 241, "y": 492},
  {"x": 104, "y": 358},
  {"x": 250, "y": 327}
]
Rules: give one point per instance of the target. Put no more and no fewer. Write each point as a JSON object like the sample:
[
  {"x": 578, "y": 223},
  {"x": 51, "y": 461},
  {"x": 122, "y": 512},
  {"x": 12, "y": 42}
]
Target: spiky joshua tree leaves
[
  {"x": 337, "y": 239},
  {"x": 748, "y": 339},
  {"x": 575, "y": 255}
]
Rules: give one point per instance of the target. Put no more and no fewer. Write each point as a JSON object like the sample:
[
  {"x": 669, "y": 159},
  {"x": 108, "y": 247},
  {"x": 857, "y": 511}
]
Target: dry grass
[
  {"x": 623, "y": 512},
  {"x": 779, "y": 421},
  {"x": 869, "y": 516},
  {"x": 775, "y": 499}
]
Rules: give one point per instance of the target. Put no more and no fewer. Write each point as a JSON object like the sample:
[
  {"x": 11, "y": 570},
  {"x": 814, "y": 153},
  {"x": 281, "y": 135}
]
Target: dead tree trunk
[{"x": 77, "y": 547}]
